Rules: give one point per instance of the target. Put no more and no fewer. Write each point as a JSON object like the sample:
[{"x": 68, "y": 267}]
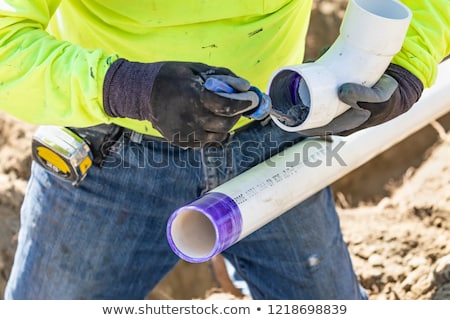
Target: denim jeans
[{"x": 106, "y": 238}]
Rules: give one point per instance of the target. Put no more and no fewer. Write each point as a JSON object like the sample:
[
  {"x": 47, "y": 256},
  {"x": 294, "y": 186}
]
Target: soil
[{"x": 395, "y": 210}]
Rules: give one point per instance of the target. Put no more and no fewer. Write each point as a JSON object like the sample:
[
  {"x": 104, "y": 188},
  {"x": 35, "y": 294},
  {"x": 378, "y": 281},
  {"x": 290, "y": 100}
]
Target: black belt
[{"x": 102, "y": 137}]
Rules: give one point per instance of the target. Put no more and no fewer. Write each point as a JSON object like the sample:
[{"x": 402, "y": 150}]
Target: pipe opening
[
  {"x": 193, "y": 234},
  {"x": 291, "y": 99},
  {"x": 387, "y": 9}
]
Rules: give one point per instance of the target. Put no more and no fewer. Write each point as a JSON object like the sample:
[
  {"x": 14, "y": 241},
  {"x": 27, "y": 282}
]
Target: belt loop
[{"x": 136, "y": 137}]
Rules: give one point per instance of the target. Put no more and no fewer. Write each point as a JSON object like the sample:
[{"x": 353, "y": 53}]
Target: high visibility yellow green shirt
[{"x": 54, "y": 53}]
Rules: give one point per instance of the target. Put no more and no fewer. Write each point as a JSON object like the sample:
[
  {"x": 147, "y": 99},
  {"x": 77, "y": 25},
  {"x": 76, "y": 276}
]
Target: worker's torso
[{"x": 251, "y": 37}]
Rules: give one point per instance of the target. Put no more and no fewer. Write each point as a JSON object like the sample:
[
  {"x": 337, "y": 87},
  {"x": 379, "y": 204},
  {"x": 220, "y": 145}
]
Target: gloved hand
[
  {"x": 172, "y": 96},
  {"x": 395, "y": 93}
]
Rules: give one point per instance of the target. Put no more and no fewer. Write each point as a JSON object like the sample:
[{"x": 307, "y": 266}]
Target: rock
[
  {"x": 442, "y": 270},
  {"x": 394, "y": 273},
  {"x": 422, "y": 286},
  {"x": 376, "y": 260},
  {"x": 413, "y": 277},
  {"x": 366, "y": 251},
  {"x": 370, "y": 277},
  {"x": 417, "y": 261}
]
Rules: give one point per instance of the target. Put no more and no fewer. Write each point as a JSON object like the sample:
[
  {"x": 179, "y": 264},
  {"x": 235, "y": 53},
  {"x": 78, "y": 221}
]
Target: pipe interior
[
  {"x": 193, "y": 234},
  {"x": 386, "y": 9},
  {"x": 291, "y": 97}
]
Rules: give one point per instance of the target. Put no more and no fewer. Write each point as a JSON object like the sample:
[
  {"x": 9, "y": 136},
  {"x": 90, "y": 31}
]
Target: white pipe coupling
[{"x": 371, "y": 33}]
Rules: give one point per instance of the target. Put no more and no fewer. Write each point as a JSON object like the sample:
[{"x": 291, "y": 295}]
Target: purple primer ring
[
  {"x": 293, "y": 89},
  {"x": 221, "y": 213}
]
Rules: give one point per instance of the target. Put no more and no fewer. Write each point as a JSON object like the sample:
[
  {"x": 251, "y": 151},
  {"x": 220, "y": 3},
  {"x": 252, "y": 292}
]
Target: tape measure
[{"x": 62, "y": 152}]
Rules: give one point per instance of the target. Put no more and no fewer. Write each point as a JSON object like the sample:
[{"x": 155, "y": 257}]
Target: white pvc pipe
[
  {"x": 370, "y": 34},
  {"x": 207, "y": 226}
]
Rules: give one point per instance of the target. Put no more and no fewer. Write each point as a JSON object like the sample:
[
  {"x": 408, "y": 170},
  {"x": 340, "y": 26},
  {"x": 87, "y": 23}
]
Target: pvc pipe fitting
[{"x": 371, "y": 33}]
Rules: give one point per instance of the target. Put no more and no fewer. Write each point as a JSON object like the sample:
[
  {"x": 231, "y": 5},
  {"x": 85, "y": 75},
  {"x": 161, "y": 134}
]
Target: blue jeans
[{"x": 106, "y": 239}]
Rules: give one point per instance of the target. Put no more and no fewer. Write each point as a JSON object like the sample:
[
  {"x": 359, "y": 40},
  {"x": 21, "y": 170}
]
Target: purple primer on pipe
[
  {"x": 293, "y": 88},
  {"x": 225, "y": 217}
]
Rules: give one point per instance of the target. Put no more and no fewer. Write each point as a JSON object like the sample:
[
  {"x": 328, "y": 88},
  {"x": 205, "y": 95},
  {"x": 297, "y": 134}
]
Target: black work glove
[
  {"x": 395, "y": 93},
  {"x": 172, "y": 96}
]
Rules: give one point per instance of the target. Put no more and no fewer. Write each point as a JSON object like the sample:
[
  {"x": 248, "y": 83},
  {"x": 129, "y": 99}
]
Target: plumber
[{"x": 128, "y": 80}]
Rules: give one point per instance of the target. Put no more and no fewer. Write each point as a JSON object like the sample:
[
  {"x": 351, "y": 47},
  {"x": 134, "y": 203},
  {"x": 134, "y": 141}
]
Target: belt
[{"x": 102, "y": 137}]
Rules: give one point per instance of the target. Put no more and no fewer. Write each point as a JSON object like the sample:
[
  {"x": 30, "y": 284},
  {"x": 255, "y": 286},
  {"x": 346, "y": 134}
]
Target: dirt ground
[{"x": 395, "y": 210}]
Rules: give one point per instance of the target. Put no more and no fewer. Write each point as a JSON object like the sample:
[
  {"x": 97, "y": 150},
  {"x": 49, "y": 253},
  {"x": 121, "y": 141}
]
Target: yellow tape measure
[{"x": 62, "y": 152}]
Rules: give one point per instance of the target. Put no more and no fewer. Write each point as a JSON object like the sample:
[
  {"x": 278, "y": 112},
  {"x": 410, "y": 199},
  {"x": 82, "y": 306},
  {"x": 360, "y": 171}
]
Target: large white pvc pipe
[
  {"x": 370, "y": 34},
  {"x": 207, "y": 226}
]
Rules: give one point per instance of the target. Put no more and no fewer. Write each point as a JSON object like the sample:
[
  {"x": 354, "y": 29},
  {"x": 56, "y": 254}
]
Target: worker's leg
[{"x": 105, "y": 239}]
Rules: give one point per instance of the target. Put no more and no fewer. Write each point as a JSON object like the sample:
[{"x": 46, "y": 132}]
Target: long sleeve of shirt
[
  {"x": 45, "y": 80},
  {"x": 427, "y": 41},
  {"x": 54, "y": 54}
]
